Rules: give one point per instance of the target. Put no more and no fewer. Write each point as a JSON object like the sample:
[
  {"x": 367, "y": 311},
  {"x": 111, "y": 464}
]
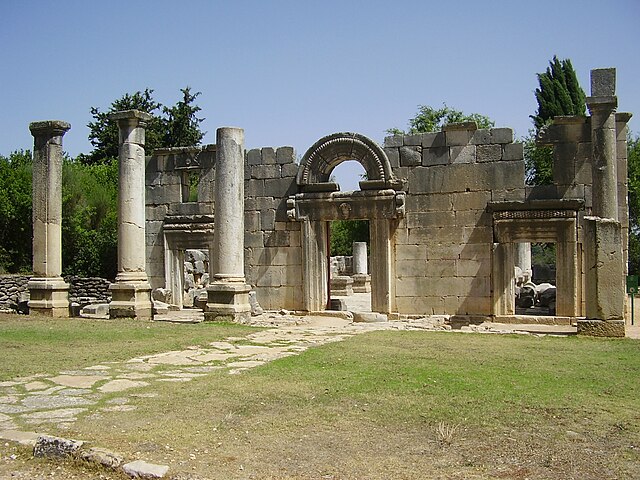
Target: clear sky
[{"x": 292, "y": 71}]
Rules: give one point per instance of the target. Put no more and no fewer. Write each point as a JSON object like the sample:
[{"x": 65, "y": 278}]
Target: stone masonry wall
[
  {"x": 443, "y": 246},
  {"x": 11, "y": 288},
  {"x": 273, "y": 248}
]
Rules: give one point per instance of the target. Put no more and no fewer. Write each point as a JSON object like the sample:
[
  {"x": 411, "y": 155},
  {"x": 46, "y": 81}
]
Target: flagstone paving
[{"x": 38, "y": 401}]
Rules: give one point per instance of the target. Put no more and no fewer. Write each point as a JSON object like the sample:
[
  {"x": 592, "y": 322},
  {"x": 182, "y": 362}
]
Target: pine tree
[{"x": 182, "y": 126}]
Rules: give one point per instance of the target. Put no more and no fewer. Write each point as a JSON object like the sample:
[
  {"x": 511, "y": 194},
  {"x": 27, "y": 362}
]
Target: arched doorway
[{"x": 319, "y": 201}]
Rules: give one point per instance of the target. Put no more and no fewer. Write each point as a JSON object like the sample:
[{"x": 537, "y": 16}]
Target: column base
[
  {"x": 131, "y": 299},
  {"x": 228, "y": 302},
  {"x": 601, "y": 328},
  {"x": 49, "y": 297}
]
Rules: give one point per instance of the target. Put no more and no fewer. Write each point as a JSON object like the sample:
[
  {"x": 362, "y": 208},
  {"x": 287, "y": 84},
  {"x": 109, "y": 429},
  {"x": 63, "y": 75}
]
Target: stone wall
[
  {"x": 273, "y": 244},
  {"x": 84, "y": 290},
  {"x": 81, "y": 290},
  {"x": 11, "y": 288},
  {"x": 443, "y": 246}
]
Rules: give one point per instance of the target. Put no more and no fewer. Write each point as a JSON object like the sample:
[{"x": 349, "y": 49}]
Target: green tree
[
  {"x": 103, "y": 132},
  {"x": 89, "y": 219},
  {"x": 430, "y": 119},
  {"x": 345, "y": 232},
  {"x": 15, "y": 212},
  {"x": 558, "y": 94},
  {"x": 633, "y": 152},
  {"x": 182, "y": 126},
  {"x": 170, "y": 126}
]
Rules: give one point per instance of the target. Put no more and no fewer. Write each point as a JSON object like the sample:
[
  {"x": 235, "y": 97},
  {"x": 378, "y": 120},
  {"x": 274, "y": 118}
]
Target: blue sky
[{"x": 290, "y": 72}]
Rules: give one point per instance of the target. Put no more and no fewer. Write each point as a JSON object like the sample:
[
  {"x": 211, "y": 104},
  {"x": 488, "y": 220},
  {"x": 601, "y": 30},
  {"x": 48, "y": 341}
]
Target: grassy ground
[
  {"x": 399, "y": 405},
  {"x": 32, "y": 345}
]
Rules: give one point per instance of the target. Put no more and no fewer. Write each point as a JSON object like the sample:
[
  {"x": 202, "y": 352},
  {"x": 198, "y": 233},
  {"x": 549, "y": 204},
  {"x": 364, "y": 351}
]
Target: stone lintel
[
  {"x": 544, "y": 204},
  {"x": 320, "y": 187},
  {"x": 49, "y": 127},
  {"x": 450, "y": 127},
  {"x": 602, "y": 103},
  {"x": 601, "y": 328},
  {"x": 569, "y": 120},
  {"x": 130, "y": 114}
]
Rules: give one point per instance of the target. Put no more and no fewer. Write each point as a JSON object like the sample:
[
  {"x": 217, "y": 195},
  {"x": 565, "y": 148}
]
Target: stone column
[
  {"x": 523, "y": 259},
  {"x": 605, "y": 288},
  {"x": 228, "y": 293},
  {"x": 131, "y": 292},
  {"x": 602, "y": 106},
  {"x": 361, "y": 279},
  {"x": 49, "y": 294}
]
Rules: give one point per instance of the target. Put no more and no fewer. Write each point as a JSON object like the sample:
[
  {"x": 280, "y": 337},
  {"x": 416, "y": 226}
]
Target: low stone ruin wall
[
  {"x": 88, "y": 290},
  {"x": 11, "y": 288},
  {"x": 83, "y": 291}
]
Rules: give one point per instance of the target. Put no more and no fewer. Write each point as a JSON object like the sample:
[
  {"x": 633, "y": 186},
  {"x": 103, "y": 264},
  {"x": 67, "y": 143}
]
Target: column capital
[
  {"x": 130, "y": 116},
  {"x": 598, "y": 104},
  {"x": 49, "y": 128}
]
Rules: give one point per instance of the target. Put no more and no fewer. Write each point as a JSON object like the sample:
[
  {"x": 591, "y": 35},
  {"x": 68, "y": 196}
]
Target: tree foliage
[
  {"x": 345, "y": 232},
  {"x": 633, "y": 152},
  {"x": 559, "y": 93},
  {"x": 170, "y": 126},
  {"x": 15, "y": 212},
  {"x": 430, "y": 119}
]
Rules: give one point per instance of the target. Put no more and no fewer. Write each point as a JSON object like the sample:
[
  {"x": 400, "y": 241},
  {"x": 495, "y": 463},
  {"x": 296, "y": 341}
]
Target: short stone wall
[
  {"x": 83, "y": 291},
  {"x": 11, "y": 288},
  {"x": 88, "y": 290}
]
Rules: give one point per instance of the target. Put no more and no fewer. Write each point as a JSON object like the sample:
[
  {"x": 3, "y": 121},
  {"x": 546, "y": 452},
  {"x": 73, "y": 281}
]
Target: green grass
[
  {"x": 369, "y": 407},
  {"x": 32, "y": 345}
]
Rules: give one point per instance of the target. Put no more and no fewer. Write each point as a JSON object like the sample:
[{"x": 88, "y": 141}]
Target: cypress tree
[{"x": 559, "y": 94}]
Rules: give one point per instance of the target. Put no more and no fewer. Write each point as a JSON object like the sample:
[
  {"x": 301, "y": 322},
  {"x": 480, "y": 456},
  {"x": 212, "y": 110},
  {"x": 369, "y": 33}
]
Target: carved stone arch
[{"x": 330, "y": 151}]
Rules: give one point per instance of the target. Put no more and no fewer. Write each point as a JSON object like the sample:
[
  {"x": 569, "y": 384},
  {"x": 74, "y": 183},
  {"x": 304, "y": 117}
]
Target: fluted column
[
  {"x": 228, "y": 294},
  {"x": 131, "y": 292},
  {"x": 49, "y": 294}
]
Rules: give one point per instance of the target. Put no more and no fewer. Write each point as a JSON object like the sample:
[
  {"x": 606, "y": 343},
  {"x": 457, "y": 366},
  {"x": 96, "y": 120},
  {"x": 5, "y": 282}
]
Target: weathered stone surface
[
  {"x": 101, "y": 456},
  {"x": 368, "y": 317},
  {"x": 143, "y": 470},
  {"x": 601, "y": 328},
  {"x": 49, "y": 446},
  {"x": 120, "y": 385}
]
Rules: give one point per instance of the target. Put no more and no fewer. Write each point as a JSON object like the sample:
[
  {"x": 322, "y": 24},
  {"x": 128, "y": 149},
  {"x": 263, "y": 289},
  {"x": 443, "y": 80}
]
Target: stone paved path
[{"x": 37, "y": 401}]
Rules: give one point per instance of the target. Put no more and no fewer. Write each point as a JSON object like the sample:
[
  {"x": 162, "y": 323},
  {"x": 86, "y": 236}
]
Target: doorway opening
[
  {"x": 535, "y": 277},
  {"x": 349, "y": 267}
]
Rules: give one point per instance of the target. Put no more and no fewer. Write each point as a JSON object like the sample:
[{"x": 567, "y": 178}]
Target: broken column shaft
[
  {"x": 228, "y": 294},
  {"x": 131, "y": 292},
  {"x": 49, "y": 294}
]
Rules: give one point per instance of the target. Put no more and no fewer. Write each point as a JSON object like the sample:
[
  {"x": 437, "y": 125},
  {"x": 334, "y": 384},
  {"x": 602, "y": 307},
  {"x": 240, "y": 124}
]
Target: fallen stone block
[
  {"x": 49, "y": 446},
  {"x": 144, "y": 470},
  {"x": 103, "y": 457},
  {"x": 369, "y": 317}
]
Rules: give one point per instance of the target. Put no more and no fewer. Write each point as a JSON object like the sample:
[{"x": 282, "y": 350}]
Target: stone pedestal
[
  {"x": 131, "y": 292},
  {"x": 228, "y": 294},
  {"x": 49, "y": 294},
  {"x": 604, "y": 282},
  {"x": 341, "y": 285},
  {"x": 361, "y": 283}
]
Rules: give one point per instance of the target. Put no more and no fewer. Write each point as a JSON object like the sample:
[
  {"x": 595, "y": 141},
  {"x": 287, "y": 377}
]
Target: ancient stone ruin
[{"x": 450, "y": 220}]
